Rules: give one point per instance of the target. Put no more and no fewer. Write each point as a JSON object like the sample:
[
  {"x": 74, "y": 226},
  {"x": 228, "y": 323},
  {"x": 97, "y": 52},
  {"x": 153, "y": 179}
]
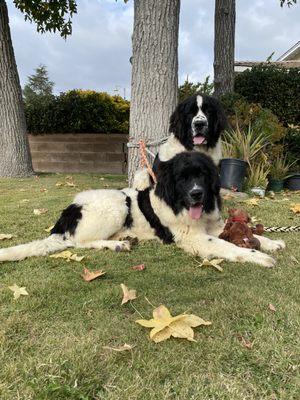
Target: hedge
[
  {"x": 274, "y": 88},
  {"x": 78, "y": 111}
]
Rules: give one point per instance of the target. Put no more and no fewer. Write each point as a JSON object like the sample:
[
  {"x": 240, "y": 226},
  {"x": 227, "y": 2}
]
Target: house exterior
[{"x": 290, "y": 59}]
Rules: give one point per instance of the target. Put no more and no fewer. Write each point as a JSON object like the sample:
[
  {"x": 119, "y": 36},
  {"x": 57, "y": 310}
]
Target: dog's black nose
[
  {"x": 196, "y": 194},
  {"x": 200, "y": 123}
]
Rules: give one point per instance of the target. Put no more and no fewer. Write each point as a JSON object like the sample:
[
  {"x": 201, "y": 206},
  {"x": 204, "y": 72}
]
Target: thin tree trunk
[
  {"x": 154, "y": 87},
  {"x": 224, "y": 47},
  {"x": 15, "y": 157}
]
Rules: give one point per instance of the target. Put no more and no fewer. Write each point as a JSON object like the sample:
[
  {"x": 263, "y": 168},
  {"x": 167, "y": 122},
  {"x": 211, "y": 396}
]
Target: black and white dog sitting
[
  {"x": 196, "y": 124},
  {"x": 182, "y": 207}
]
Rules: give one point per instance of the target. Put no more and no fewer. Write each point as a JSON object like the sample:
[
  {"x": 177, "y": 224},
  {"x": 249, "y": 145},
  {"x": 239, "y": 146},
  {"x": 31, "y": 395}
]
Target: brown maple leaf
[{"x": 89, "y": 276}]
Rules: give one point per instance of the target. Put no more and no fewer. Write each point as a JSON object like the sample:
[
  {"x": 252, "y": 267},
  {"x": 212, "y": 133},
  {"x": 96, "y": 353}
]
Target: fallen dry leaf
[
  {"x": 40, "y": 211},
  {"x": 140, "y": 267},
  {"x": 295, "y": 208},
  {"x": 89, "y": 276},
  {"x": 58, "y": 184},
  {"x": 45, "y": 190},
  {"x": 252, "y": 202},
  {"x": 212, "y": 263},
  {"x": 24, "y": 201},
  {"x": 70, "y": 184},
  {"x": 246, "y": 343},
  {"x": 271, "y": 307},
  {"x": 68, "y": 256},
  {"x": 164, "y": 325},
  {"x": 49, "y": 229},
  {"x": 125, "y": 347},
  {"x": 6, "y": 236},
  {"x": 254, "y": 219},
  {"x": 128, "y": 294},
  {"x": 293, "y": 258},
  {"x": 18, "y": 291},
  {"x": 228, "y": 196}
]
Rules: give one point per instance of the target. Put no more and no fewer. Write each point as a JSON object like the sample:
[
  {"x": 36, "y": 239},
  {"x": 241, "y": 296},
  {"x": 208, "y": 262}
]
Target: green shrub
[
  {"x": 261, "y": 120},
  {"x": 274, "y": 88},
  {"x": 79, "y": 111},
  {"x": 189, "y": 88}
]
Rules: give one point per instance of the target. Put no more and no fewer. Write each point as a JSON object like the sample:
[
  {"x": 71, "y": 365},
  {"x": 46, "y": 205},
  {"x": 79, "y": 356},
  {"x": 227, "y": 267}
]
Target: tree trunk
[
  {"x": 224, "y": 47},
  {"x": 154, "y": 86},
  {"x": 15, "y": 157}
]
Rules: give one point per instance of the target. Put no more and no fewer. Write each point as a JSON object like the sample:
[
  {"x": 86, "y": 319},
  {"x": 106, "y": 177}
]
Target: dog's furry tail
[
  {"x": 141, "y": 180},
  {"x": 42, "y": 247}
]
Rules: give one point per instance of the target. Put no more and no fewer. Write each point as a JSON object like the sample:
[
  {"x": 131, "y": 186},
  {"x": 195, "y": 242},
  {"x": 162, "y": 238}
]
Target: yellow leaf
[
  {"x": 213, "y": 263},
  {"x": 295, "y": 208},
  {"x": 18, "y": 291},
  {"x": 128, "y": 294},
  {"x": 164, "y": 325},
  {"x": 161, "y": 335},
  {"x": 77, "y": 258},
  {"x": 67, "y": 255},
  {"x": 6, "y": 236},
  {"x": 49, "y": 229},
  {"x": 251, "y": 202},
  {"x": 182, "y": 330},
  {"x": 228, "y": 196},
  {"x": 70, "y": 184},
  {"x": 40, "y": 211},
  {"x": 194, "y": 320}
]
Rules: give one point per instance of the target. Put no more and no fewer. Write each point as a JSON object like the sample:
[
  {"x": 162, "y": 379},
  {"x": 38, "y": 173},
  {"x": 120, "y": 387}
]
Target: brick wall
[{"x": 79, "y": 153}]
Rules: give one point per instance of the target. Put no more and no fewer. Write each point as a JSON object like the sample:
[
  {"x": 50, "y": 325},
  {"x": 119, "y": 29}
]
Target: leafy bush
[
  {"x": 189, "y": 88},
  {"x": 292, "y": 143},
  {"x": 79, "y": 111},
  {"x": 274, "y": 88},
  {"x": 261, "y": 120}
]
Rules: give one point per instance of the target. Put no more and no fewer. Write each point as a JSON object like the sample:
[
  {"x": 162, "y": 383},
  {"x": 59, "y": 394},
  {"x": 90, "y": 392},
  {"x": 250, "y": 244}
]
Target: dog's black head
[
  {"x": 190, "y": 180},
  {"x": 198, "y": 121}
]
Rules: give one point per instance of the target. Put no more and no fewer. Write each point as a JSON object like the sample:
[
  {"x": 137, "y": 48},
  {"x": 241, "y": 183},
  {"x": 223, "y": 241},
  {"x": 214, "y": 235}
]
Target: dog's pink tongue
[
  {"x": 195, "y": 212},
  {"x": 199, "y": 139}
]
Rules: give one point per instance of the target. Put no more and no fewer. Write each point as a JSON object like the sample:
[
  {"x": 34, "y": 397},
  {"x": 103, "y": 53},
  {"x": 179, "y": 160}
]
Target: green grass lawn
[{"x": 51, "y": 342}]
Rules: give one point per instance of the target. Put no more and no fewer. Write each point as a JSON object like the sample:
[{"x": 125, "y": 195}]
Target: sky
[{"x": 97, "y": 54}]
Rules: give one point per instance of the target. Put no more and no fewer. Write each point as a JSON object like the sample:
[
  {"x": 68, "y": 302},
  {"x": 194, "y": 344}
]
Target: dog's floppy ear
[
  {"x": 165, "y": 187},
  {"x": 216, "y": 182},
  {"x": 178, "y": 127},
  {"x": 220, "y": 121}
]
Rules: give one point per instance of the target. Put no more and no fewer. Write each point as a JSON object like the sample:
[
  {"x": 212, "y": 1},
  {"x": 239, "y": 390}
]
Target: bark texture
[
  {"x": 154, "y": 86},
  {"x": 15, "y": 157},
  {"x": 224, "y": 47}
]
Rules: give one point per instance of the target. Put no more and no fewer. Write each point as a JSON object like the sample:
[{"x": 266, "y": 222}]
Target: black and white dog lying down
[
  {"x": 183, "y": 207},
  {"x": 196, "y": 124}
]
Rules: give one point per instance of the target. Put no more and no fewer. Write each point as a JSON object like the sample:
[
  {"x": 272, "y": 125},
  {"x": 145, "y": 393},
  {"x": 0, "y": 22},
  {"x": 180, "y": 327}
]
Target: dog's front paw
[
  {"x": 122, "y": 246},
  {"x": 273, "y": 245},
  {"x": 256, "y": 257},
  {"x": 278, "y": 245}
]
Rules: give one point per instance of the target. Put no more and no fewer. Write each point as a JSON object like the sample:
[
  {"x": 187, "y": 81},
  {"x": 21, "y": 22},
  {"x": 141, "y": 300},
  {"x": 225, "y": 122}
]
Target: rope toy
[
  {"x": 144, "y": 160},
  {"x": 282, "y": 228},
  {"x": 143, "y": 149}
]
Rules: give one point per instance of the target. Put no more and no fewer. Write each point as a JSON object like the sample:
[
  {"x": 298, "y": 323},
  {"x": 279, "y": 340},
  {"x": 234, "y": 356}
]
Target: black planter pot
[
  {"x": 293, "y": 182},
  {"x": 233, "y": 172}
]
